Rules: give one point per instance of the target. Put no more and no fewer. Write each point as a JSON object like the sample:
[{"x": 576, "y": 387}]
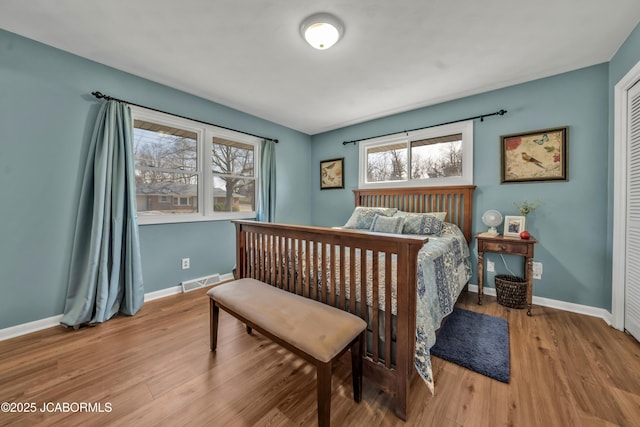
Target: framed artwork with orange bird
[
  {"x": 539, "y": 155},
  {"x": 331, "y": 174}
]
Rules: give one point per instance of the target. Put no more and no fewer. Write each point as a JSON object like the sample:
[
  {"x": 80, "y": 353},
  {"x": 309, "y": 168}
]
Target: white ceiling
[{"x": 395, "y": 55}]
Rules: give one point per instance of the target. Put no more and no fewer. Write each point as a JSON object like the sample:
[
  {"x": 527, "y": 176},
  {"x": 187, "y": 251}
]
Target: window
[
  {"x": 233, "y": 176},
  {"x": 181, "y": 201},
  {"x": 188, "y": 171},
  {"x": 441, "y": 155}
]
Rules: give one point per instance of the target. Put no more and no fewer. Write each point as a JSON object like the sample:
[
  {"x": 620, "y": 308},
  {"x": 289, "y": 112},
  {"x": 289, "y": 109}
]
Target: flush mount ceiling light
[{"x": 321, "y": 30}]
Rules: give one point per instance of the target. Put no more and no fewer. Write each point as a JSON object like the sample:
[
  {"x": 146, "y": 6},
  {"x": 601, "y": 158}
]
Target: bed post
[
  {"x": 240, "y": 252},
  {"x": 467, "y": 211},
  {"x": 406, "y": 323}
]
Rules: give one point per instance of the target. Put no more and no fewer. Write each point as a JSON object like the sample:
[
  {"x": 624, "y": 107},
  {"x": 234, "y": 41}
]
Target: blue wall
[
  {"x": 571, "y": 223},
  {"x": 46, "y": 118}
]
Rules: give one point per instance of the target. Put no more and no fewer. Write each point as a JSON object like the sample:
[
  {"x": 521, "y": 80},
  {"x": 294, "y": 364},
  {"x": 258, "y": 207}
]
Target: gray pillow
[
  {"x": 362, "y": 217},
  {"x": 387, "y": 224}
]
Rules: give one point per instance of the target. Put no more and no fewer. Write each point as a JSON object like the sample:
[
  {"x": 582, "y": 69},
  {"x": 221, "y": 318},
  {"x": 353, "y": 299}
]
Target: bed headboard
[{"x": 457, "y": 201}]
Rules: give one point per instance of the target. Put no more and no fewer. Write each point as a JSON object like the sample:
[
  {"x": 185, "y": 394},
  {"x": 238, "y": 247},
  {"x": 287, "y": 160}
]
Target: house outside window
[
  {"x": 189, "y": 171},
  {"x": 437, "y": 156}
]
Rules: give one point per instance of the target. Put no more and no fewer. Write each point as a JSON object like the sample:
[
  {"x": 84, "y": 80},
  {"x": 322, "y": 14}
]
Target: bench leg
[
  {"x": 213, "y": 324},
  {"x": 357, "y": 347},
  {"x": 323, "y": 372}
]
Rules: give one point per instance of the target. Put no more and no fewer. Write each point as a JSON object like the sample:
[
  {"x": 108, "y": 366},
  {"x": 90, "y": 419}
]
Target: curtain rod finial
[{"x": 101, "y": 95}]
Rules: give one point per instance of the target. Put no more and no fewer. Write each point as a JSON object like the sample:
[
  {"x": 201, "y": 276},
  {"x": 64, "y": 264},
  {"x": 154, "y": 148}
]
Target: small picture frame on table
[
  {"x": 514, "y": 225},
  {"x": 332, "y": 174}
]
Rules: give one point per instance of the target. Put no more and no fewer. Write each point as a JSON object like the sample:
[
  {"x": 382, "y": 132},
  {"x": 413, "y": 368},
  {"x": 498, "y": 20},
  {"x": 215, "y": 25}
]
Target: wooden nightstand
[{"x": 510, "y": 246}]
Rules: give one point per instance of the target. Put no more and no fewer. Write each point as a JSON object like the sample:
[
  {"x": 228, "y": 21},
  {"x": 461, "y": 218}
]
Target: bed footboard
[{"x": 324, "y": 264}]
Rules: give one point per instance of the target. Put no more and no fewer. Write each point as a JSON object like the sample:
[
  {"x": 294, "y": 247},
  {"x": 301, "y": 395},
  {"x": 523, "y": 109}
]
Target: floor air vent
[{"x": 201, "y": 282}]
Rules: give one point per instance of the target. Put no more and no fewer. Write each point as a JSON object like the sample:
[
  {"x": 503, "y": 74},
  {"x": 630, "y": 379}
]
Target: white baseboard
[
  {"x": 37, "y": 325},
  {"x": 162, "y": 293},
  {"x": 560, "y": 305},
  {"x": 27, "y": 328},
  {"x": 49, "y": 322}
]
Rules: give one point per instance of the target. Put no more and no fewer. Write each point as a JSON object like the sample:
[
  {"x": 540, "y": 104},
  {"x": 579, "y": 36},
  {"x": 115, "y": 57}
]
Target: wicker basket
[{"x": 511, "y": 291}]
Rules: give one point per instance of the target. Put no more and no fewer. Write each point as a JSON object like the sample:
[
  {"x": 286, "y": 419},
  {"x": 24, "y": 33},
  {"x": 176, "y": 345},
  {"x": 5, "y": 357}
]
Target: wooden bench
[{"x": 317, "y": 332}]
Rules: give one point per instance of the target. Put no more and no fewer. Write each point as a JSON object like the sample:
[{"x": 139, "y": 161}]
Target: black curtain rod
[
  {"x": 101, "y": 95},
  {"x": 481, "y": 117}
]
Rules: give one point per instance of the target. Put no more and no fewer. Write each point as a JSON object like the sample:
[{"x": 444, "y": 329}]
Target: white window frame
[
  {"x": 465, "y": 128},
  {"x": 205, "y": 134}
]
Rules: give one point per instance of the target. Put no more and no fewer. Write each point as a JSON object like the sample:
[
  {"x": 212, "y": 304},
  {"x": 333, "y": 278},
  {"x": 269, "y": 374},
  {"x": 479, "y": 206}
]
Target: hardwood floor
[{"x": 156, "y": 369}]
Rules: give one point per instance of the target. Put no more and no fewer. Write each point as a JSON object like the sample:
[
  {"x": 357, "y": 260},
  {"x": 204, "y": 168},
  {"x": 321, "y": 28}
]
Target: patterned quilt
[{"x": 443, "y": 270}]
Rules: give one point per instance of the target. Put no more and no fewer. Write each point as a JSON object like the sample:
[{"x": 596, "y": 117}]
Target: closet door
[{"x": 632, "y": 277}]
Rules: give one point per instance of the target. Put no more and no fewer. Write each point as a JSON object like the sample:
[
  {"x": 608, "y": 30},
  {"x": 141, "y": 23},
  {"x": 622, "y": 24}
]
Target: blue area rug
[{"x": 476, "y": 341}]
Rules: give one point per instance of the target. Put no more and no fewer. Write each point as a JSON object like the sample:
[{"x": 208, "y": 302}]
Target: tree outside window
[
  {"x": 232, "y": 164},
  {"x": 441, "y": 155},
  {"x": 191, "y": 171}
]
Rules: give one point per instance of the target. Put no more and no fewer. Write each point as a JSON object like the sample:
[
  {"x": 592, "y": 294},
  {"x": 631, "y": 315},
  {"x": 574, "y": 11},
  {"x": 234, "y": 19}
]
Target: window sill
[
  {"x": 227, "y": 216},
  {"x": 432, "y": 182}
]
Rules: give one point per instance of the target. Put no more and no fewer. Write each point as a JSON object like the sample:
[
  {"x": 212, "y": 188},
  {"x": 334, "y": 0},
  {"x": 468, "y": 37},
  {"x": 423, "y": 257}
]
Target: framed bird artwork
[
  {"x": 331, "y": 174},
  {"x": 539, "y": 155}
]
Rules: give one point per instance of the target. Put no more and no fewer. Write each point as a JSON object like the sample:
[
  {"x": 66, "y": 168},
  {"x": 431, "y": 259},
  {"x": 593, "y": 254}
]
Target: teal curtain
[
  {"x": 266, "y": 210},
  {"x": 105, "y": 276}
]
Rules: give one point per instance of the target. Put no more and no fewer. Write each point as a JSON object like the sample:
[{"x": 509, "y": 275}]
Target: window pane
[
  {"x": 387, "y": 163},
  {"x": 159, "y": 193},
  {"x": 159, "y": 146},
  {"x": 233, "y": 194},
  {"x": 231, "y": 157},
  {"x": 436, "y": 157}
]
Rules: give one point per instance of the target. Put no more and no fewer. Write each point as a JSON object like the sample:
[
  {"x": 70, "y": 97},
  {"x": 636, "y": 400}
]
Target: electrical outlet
[
  {"x": 186, "y": 263},
  {"x": 491, "y": 266},
  {"x": 537, "y": 270}
]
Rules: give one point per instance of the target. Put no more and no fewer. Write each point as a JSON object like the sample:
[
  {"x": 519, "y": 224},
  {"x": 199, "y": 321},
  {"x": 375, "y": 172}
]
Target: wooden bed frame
[{"x": 267, "y": 252}]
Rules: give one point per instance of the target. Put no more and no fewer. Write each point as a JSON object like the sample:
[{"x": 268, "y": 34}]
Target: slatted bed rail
[{"x": 286, "y": 256}]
